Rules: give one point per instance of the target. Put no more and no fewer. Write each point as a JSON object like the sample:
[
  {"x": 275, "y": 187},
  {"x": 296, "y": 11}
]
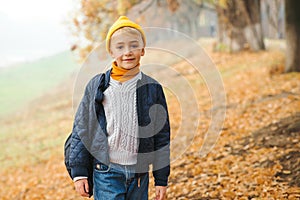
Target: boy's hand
[
  {"x": 82, "y": 187},
  {"x": 160, "y": 192}
]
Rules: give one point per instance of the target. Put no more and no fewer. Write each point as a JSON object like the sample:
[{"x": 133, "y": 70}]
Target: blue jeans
[{"x": 118, "y": 182}]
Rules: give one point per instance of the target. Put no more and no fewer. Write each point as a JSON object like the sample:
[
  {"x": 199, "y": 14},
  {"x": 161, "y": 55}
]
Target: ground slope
[{"x": 254, "y": 157}]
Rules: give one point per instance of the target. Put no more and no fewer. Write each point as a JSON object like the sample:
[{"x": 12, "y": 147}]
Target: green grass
[
  {"x": 33, "y": 138},
  {"x": 21, "y": 83}
]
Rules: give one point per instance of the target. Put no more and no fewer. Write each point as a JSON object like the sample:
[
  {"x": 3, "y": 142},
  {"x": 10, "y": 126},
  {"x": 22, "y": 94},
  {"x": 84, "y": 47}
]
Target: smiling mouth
[{"x": 128, "y": 60}]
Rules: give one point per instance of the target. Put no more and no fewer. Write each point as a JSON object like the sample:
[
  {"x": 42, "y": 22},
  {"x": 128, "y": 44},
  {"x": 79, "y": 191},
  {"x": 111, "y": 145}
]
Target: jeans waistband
[{"x": 119, "y": 167}]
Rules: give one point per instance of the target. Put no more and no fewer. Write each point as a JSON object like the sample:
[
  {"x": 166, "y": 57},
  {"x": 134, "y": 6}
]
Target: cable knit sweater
[{"x": 122, "y": 123}]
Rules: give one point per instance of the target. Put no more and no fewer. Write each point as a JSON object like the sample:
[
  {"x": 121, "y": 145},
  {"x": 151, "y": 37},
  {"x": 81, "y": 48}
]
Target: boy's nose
[{"x": 128, "y": 51}]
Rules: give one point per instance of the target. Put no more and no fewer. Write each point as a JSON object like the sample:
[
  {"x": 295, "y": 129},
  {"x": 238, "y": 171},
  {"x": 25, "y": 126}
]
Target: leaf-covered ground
[{"x": 256, "y": 156}]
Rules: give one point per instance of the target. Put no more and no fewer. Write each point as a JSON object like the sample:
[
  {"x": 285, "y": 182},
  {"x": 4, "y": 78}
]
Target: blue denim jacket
[{"x": 89, "y": 144}]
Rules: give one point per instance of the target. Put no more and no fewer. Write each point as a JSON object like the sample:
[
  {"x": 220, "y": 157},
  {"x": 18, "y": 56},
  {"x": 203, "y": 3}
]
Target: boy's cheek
[{"x": 117, "y": 55}]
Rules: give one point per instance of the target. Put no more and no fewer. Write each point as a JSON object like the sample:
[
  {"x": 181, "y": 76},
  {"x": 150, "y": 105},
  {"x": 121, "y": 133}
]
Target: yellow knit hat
[{"x": 123, "y": 21}]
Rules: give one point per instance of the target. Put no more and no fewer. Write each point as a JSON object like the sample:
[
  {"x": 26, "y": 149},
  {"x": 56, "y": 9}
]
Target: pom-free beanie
[{"x": 123, "y": 21}]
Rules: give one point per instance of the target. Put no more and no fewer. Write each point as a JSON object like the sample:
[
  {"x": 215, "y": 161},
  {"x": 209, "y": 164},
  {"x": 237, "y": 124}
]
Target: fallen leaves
[
  {"x": 242, "y": 165},
  {"x": 236, "y": 169}
]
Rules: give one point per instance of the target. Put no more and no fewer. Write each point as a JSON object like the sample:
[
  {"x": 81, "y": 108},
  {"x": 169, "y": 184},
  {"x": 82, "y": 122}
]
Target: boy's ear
[{"x": 143, "y": 52}]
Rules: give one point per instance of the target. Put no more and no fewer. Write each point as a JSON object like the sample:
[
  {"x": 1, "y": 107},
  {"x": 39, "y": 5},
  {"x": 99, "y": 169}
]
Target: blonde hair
[{"x": 130, "y": 31}]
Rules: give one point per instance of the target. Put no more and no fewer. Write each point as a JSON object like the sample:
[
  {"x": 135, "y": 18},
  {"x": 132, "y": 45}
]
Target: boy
[{"x": 121, "y": 125}]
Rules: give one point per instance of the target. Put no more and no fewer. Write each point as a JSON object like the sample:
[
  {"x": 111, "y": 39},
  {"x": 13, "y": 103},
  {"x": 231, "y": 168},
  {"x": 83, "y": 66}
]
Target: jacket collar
[{"x": 107, "y": 78}]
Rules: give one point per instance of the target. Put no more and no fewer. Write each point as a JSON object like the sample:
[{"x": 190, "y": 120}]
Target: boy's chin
[{"x": 128, "y": 66}]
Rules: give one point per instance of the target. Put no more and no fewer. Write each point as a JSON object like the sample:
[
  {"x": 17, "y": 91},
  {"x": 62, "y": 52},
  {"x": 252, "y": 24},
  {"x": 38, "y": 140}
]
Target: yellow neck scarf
[{"x": 122, "y": 75}]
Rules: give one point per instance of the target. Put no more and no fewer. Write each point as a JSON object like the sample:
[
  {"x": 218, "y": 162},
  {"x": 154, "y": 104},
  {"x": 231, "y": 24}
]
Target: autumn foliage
[{"x": 256, "y": 156}]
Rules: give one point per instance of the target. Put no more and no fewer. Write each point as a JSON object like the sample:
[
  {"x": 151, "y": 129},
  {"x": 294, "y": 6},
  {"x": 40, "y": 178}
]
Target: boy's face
[{"x": 126, "y": 48}]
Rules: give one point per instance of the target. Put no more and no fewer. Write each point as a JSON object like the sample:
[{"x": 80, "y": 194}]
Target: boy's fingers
[
  {"x": 156, "y": 194},
  {"x": 80, "y": 187},
  {"x": 82, "y": 191},
  {"x": 86, "y": 187},
  {"x": 160, "y": 193}
]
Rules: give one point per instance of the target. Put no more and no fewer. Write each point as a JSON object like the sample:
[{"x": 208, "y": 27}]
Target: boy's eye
[
  {"x": 134, "y": 46},
  {"x": 119, "y": 47}
]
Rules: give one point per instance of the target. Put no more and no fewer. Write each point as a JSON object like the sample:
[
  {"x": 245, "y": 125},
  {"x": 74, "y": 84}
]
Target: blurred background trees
[
  {"x": 292, "y": 35},
  {"x": 237, "y": 24}
]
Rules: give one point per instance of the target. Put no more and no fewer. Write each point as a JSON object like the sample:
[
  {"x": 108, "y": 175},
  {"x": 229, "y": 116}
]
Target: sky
[{"x": 32, "y": 29}]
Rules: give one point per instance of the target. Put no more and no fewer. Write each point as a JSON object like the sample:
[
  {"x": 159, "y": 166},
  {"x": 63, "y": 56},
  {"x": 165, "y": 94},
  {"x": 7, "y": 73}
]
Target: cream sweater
[{"x": 122, "y": 122}]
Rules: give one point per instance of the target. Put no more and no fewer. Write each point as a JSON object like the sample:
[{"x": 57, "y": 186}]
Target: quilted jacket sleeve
[
  {"x": 161, "y": 163},
  {"x": 79, "y": 155}
]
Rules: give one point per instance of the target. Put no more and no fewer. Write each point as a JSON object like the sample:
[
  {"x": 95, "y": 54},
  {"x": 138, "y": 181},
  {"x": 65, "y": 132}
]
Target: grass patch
[{"x": 21, "y": 83}]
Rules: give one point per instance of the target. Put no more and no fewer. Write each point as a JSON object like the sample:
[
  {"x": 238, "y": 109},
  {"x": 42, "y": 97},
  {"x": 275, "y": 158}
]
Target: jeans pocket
[{"x": 102, "y": 168}]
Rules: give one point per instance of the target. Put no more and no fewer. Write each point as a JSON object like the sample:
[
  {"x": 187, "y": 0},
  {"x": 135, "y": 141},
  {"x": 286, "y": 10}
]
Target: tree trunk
[
  {"x": 292, "y": 19},
  {"x": 194, "y": 10},
  {"x": 240, "y": 25},
  {"x": 253, "y": 31}
]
